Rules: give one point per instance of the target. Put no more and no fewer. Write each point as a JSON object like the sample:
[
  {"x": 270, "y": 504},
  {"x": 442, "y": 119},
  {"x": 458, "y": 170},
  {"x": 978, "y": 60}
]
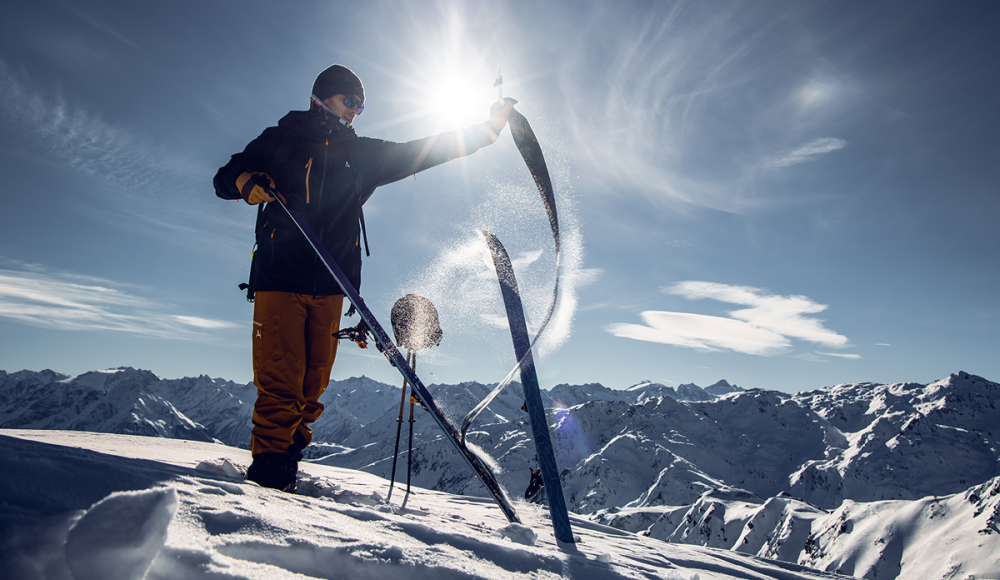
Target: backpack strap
[{"x": 364, "y": 234}]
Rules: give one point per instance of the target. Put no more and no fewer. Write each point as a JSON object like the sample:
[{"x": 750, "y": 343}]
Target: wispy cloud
[
  {"x": 103, "y": 27},
  {"x": 808, "y": 152},
  {"x": 635, "y": 129},
  {"x": 765, "y": 328},
  {"x": 83, "y": 303},
  {"x": 840, "y": 355},
  {"x": 128, "y": 165},
  {"x": 690, "y": 105},
  {"x": 824, "y": 357},
  {"x": 71, "y": 135}
]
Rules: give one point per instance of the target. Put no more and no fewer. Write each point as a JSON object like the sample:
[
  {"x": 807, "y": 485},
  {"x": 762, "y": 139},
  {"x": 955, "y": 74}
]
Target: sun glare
[{"x": 457, "y": 102}]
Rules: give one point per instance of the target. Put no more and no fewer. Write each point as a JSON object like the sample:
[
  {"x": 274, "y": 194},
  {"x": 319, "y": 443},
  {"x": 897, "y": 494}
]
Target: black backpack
[{"x": 225, "y": 188}]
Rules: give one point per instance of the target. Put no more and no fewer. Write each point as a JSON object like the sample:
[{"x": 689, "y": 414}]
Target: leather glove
[
  {"x": 254, "y": 187},
  {"x": 498, "y": 116}
]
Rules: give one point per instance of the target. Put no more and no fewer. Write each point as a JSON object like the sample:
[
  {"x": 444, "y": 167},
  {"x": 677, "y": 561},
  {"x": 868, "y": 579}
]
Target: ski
[
  {"x": 532, "y": 393},
  {"x": 396, "y": 359},
  {"x": 531, "y": 153}
]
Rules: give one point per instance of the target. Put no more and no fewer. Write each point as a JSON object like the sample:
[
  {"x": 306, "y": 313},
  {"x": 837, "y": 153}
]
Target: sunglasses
[{"x": 350, "y": 101}]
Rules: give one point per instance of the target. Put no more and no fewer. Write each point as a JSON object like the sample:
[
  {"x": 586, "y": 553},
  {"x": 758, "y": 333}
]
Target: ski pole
[
  {"x": 399, "y": 428},
  {"x": 409, "y": 451}
]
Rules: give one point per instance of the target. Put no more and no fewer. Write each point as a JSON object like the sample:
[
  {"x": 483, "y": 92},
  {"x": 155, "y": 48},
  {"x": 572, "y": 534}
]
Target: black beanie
[{"x": 338, "y": 80}]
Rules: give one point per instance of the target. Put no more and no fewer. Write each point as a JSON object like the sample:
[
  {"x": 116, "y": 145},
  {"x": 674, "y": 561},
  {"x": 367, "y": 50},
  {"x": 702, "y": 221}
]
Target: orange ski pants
[{"x": 293, "y": 353}]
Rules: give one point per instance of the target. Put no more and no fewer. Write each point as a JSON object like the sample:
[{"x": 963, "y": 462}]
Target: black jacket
[{"x": 327, "y": 176}]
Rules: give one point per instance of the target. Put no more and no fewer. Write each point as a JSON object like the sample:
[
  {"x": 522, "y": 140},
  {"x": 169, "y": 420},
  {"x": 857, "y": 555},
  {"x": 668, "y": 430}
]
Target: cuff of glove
[{"x": 255, "y": 187}]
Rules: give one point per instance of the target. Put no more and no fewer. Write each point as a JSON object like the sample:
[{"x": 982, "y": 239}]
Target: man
[{"x": 325, "y": 171}]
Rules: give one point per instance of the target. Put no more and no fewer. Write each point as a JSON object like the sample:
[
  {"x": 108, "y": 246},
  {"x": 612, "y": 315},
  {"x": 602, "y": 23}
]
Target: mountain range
[{"x": 862, "y": 479}]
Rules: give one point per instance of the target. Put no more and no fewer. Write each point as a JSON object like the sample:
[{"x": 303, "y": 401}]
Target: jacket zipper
[
  {"x": 309, "y": 166},
  {"x": 322, "y": 226}
]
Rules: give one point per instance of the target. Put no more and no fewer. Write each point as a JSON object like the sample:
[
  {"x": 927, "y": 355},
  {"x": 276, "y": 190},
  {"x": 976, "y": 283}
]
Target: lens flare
[{"x": 571, "y": 440}]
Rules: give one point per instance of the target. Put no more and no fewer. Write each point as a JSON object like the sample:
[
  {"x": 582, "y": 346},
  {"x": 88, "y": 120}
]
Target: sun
[{"x": 457, "y": 100}]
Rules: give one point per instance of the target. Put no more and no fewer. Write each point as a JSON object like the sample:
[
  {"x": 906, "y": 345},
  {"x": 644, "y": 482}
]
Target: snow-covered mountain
[
  {"x": 137, "y": 402},
  {"x": 133, "y": 402},
  {"x": 722, "y": 388},
  {"x": 855, "y": 478},
  {"x": 903, "y": 441}
]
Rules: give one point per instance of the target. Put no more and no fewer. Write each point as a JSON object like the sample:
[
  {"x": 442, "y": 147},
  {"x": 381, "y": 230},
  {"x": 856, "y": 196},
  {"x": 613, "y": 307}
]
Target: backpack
[{"x": 286, "y": 145}]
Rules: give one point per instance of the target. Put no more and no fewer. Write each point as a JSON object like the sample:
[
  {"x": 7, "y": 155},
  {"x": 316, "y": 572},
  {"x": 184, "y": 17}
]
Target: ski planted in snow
[
  {"x": 396, "y": 359},
  {"x": 532, "y": 393}
]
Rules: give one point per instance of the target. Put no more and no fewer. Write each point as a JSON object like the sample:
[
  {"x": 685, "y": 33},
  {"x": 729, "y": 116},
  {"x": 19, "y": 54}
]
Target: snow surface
[{"x": 80, "y": 505}]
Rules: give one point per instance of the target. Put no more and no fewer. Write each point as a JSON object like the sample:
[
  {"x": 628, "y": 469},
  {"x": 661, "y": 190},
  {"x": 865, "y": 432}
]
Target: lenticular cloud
[{"x": 764, "y": 328}]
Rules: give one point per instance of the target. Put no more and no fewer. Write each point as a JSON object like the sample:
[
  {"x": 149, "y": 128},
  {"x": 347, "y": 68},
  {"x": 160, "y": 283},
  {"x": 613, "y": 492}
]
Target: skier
[{"x": 319, "y": 164}]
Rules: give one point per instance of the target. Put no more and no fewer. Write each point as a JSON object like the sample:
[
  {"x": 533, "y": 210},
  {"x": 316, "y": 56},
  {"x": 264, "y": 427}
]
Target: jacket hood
[{"x": 309, "y": 125}]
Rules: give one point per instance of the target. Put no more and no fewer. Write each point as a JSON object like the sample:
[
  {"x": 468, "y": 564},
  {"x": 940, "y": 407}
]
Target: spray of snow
[{"x": 462, "y": 281}]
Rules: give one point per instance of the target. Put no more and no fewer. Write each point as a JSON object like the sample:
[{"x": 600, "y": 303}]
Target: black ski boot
[{"x": 275, "y": 470}]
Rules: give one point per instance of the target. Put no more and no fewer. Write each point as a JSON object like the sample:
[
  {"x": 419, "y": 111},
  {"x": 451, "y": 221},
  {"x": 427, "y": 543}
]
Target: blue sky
[{"x": 784, "y": 195}]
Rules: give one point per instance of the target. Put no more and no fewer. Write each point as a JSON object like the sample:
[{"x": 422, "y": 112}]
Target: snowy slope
[
  {"x": 165, "y": 510},
  {"x": 953, "y": 536}
]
